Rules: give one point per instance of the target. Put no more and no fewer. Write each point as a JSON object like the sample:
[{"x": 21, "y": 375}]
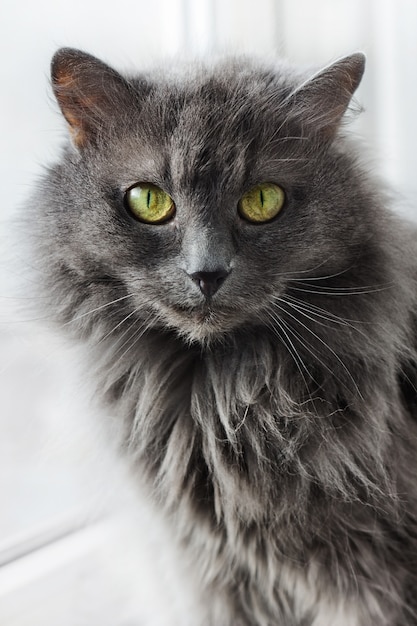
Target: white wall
[
  {"x": 133, "y": 32},
  {"x": 50, "y": 461}
]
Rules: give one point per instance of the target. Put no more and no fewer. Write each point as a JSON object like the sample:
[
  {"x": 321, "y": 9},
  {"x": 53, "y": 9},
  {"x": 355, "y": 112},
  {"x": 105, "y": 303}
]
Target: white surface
[
  {"x": 116, "y": 572},
  {"x": 51, "y": 459}
]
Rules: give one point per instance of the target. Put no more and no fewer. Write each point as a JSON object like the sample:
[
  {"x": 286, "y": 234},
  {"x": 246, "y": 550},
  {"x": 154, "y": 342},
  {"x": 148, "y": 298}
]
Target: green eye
[
  {"x": 262, "y": 203},
  {"x": 150, "y": 203}
]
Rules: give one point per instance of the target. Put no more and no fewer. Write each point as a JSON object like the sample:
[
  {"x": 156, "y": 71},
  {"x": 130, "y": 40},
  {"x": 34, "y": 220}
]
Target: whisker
[
  {"x": 291, "y": 349},
  {"x": 339, "y": 291},
  {"x": 304, "y": 309},
  {"x": 99, "y": 308},
  {"x": 18, "y": 298},
  {"x": 331, "y": 317},
  {"x": 135, "y": 321},
  {"x": 353, "y": 288},
  {"x": 335, "y": 275},
  {"x": 107, "y": 335},
  {"x": 324, "y": 312},
  {"x": 143, "y": 327},
  {"x": 307, "y": 345},
  {"x": 324, "y": 344},
  {"x": 307, "y": 271},
  {"x": 328, "y": 276}
]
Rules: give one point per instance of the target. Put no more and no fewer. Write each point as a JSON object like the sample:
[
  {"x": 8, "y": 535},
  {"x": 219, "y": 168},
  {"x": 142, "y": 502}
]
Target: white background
[{"x": 52, "y": 465}]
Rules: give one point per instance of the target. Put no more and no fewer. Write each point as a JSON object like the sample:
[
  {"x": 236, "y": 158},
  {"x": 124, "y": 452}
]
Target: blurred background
[{"x": 69, "y": 533}]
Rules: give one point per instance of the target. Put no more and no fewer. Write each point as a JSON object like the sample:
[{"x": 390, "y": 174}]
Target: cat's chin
[{"x": 200, "y": 324}]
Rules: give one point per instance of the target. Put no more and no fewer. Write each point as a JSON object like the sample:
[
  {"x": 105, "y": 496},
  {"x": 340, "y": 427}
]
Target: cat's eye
[
  {"x": 262, "y": 203},
  {"x": 149, "y": 203}
]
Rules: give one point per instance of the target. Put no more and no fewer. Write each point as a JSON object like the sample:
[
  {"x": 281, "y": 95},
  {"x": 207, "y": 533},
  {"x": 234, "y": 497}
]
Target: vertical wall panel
[{"x": 247, "y": 26}]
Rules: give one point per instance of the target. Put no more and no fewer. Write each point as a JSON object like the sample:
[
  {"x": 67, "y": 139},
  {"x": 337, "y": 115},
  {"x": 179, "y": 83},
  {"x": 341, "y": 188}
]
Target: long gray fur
[{"x": 274, "y": 423}]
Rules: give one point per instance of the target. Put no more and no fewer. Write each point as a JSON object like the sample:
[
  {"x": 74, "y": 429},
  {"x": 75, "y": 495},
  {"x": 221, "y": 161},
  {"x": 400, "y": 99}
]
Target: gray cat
[{"x": 250, "y": 306}]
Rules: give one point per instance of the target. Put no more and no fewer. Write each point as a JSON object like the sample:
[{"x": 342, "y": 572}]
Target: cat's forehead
[
  {"x": 214, "y": 122},
  {"x": 226, "y": 74},
  {"x": 227, "y": 93}
]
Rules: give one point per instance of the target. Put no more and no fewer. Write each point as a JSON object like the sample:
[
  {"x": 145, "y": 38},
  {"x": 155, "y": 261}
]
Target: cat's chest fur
[
  {"x": 239, "y": 466},
  {"x": 312, "y": 604}
]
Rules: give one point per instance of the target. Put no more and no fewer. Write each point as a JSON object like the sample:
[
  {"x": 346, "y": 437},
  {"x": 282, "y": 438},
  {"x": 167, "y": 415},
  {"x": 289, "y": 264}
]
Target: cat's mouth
[
  {"x": 204, "y": 314},
  {"x": 199, "y": 322}
]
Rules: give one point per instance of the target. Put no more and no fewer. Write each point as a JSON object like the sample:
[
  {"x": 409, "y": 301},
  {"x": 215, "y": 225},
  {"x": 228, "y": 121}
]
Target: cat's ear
[
  {"x": 88, "y": 91},
  {"x": 321, "y": 101}
]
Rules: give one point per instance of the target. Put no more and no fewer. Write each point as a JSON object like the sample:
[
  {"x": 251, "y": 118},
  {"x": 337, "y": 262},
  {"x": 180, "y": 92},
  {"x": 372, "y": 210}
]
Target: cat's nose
[{"x": 209, "y": 282}]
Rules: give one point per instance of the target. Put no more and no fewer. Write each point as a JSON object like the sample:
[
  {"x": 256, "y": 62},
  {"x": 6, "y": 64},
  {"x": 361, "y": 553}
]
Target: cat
[{"x": 249, "y": 301}]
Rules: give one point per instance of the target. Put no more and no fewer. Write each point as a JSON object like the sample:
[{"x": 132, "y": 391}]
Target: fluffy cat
[{"x": 249, "y": 302}]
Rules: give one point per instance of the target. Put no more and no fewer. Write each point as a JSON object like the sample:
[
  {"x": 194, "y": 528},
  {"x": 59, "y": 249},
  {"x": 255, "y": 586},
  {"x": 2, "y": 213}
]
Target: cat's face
[{"x": 203, "y": 198}]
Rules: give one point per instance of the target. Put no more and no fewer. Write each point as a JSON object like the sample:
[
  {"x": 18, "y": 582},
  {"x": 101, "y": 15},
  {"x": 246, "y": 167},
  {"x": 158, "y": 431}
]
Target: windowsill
[
  {"x": 121, "y": 570},
  {"x": 73, "y": 580}
]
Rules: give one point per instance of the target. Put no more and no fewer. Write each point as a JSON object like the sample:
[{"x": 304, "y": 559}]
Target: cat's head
[{"x": 200, "y": 195}]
